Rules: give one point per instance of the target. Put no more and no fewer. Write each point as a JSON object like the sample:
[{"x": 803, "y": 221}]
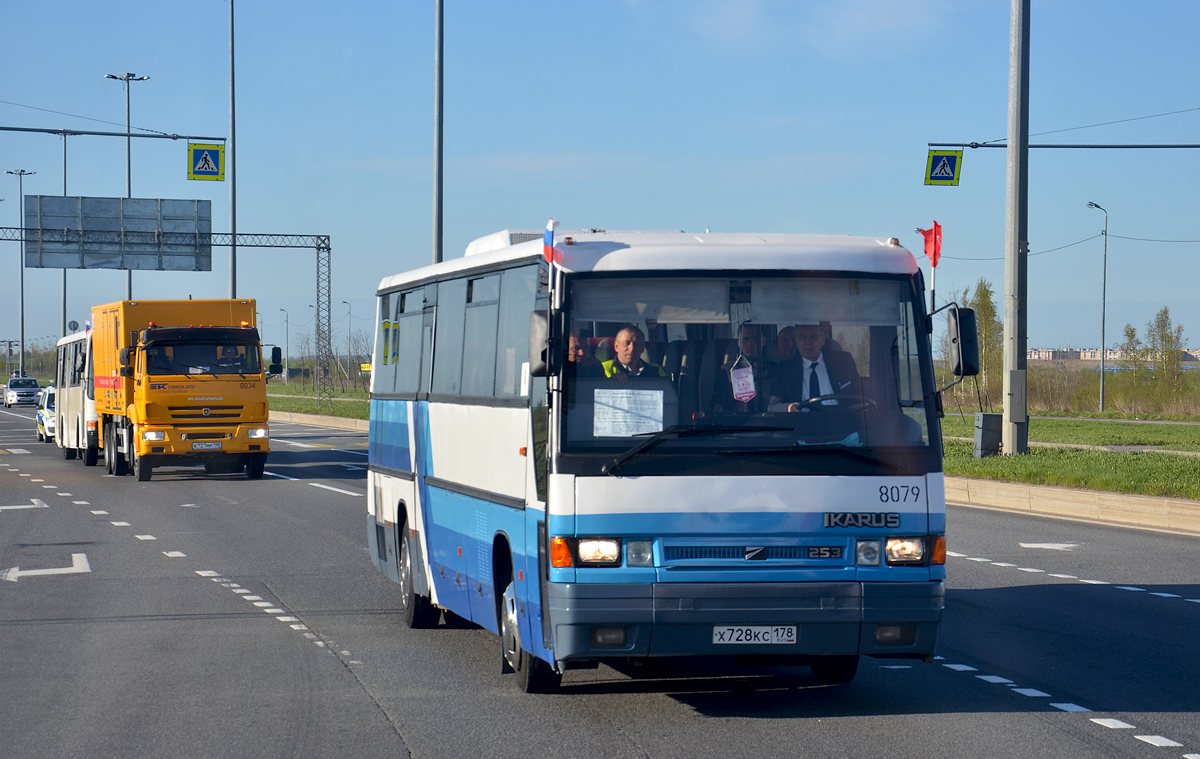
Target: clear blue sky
[{"x": 738, "y": 115}]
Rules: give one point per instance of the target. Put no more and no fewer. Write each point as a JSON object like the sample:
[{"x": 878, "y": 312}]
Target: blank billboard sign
[{"x": 150, "y": 234}]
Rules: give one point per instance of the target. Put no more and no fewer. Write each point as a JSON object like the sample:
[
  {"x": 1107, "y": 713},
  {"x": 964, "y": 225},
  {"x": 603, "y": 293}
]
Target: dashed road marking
[
  {"x": 996, "y": 679},
  {"x": 282, "y": 476},
  {"x": 174, "y": 554},
  {"x": 1130, "y": 588},
  {"x": 1031, "y": 692},
  {"x": 120, "y": 524},
  {"x": 960, "y": 667},
  {"x": 1071, "y": 707},
  {"x": 1157, "y": 740},
  {"x": 99, "y": 512},
  {"x": 81, "y": 503},
  {"x": 145, "y": 537},
  {"x": 1115, "y": 724},
  {"x": 337, "y": 490}
]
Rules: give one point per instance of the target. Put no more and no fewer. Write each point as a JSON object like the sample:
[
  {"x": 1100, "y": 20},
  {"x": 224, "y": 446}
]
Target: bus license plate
[
  {"x": 206, "y": 446},
  {"x": 754, "y": 635}
]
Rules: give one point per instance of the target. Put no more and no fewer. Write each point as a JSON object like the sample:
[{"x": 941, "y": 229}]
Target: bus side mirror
[
  {"x": 276, "y": 366},
  {"x": 964, "y": 342},
  {"x": 540, "y": 356}
]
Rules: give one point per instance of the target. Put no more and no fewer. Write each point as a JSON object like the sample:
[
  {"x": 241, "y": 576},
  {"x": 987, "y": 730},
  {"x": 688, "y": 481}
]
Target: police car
[{"x": 45, "y": 415}]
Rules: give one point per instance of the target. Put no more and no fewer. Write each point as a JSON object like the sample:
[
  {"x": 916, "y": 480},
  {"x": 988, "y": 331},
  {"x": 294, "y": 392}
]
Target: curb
[
  {"x": 1175, "y": 515},
  {"x": 316, "y": 420}
]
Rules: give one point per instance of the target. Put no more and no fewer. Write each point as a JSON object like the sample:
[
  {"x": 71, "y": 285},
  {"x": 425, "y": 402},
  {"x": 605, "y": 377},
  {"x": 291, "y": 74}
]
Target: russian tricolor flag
[{"x": 548, "y": 241}]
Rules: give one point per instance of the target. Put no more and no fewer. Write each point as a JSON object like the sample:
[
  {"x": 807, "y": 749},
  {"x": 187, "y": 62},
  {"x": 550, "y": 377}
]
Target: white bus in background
[
  {"x": 701, "y": 499},
  {"x": 75, "y": 409}
]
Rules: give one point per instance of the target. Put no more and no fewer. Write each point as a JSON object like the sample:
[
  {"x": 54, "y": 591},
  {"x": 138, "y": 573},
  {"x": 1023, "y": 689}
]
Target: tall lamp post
[
  {"x": 127, "y": 78},
  {"x": 21, "y": 174},
  {"x": 349, "y": 326},
  {"x": 287, "y": 346},
  {"x": 1103, "y": 296}
]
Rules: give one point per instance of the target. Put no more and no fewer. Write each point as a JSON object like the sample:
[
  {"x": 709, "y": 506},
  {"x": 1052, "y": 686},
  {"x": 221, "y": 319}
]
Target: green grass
[
  {"x": 350, "y": 409},
  {"x": 1153, "y": 474},
  {"x": 1176, "y": 437}
]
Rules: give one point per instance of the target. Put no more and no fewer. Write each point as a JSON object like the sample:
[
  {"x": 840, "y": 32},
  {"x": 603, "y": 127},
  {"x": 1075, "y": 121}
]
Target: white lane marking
[
  {"x": 1071, "y": 707},
  {"x": 1157, "y": 740},
  {"x": 64, "y": 495},
  {"x": 1002, "y": 564},
  {"x": 231, "y": 585},
  {"x": 320, "y": 644},
  {"x": 120, "y": 524},
  {"x": 1028, "y": 569},
  {"x": 282, "y": 476},
  {"x": 896, "y": 666},
  {"x": 364, "y": 453},
  {"x": 1191, "y": 756},
  {"x": 1031, "y": 692},
  {"x": 27, "y": 475},
  {"x": 17, "y": 450},
  {"x": 50, "y": 487},
  {"x": 99, "y": 512},
  {"x": 310, "y": 636},
  {"x": 299, "y": 627},
  {"x": 287, "y": 618},
  {"x": 252, "y": 598},
  {"x": 187, "y": 505},
  {"x": 977, "y": 559},
  {"x": 261, "y": 604},
  {"x": 272, "y": 610},
  {"x": 81, "y": 503},
  {"x": 995, "y": 679},
  {"x": 37, "y": 480},
  {"x": 952, "y": 553},
  {"x": 1066, "y": 577},
  {"x": 1130, "y": 588},
  {"x": 35, "y": 503},
  {"x": 79, "y": 564},
  {"x": 1167, "y": 595},
  {"x": 1192, "y": 600},
  {"x": 145, "y": 537},
  {"x": 241, "y": 591},
  {"x": 298, "y": 445},
  {"x": 174, "y": 554},
  {"x": 206, "y": 573},
  {"x": 337, "y": 490},
  {"x": 1051, "y": 546},
  {"x": 1115, "y": 724},
  {"x": 1095, "y": 582},
  {"x": 960, "y": 667}
]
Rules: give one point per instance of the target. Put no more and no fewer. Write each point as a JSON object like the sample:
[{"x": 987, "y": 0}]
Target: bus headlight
[
  {"x": 905, "y": 550},
  {"x": 257, "y": 434},
  {"x": 599, "y": 551},
  {"x": 639, "y": 553},
  {"x": 867, "y": 553},
  {"x": 154, "y": 436}
]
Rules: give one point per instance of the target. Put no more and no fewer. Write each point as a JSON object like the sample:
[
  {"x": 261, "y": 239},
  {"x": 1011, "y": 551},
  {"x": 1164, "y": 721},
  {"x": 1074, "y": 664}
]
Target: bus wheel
[
  {"x": 68, "y": 453},
  {"x": 533, "y": 674},
  {"x": 418, "y": 612},
  {"x": 91, "y": 455},
  {"x": 835, "y": 670}
]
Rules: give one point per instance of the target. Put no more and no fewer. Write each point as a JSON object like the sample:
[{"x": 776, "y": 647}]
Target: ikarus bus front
[{"x": 660, "y": 444}]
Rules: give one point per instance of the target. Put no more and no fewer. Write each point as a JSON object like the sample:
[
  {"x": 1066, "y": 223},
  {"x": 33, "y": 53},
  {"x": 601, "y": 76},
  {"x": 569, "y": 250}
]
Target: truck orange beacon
[{"x": 181, "y": 383}]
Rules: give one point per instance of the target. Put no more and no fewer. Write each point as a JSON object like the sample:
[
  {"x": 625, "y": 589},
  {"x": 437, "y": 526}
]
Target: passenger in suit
[
  {"x": 820, "y": 373},
  {"x": 750, "y": 342}
]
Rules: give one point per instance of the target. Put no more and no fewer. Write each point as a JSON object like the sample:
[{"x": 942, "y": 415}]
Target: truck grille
[{"x": 197, "y": 412}]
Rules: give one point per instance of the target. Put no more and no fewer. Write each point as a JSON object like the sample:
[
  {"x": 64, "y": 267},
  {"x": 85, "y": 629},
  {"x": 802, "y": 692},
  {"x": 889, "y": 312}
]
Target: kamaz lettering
[
  {"x": 889, "y": 520},
  {"x": 209, "y": 398}
]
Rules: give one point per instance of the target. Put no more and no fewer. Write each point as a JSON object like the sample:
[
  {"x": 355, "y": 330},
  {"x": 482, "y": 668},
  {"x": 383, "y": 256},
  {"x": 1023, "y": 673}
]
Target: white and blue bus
[{"x": 663, "y": 444}]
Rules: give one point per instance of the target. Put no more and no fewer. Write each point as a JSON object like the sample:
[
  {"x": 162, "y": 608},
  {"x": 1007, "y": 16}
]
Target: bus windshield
[
  {"x": 767, "y": 363},
  {"x": 167, "y": 357}
]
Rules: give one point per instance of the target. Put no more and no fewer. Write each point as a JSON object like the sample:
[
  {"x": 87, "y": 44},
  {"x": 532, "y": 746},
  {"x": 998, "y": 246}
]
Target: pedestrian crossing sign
[
  {"x": 206, "y": 162},
  {"x": 943, "y": 167}
]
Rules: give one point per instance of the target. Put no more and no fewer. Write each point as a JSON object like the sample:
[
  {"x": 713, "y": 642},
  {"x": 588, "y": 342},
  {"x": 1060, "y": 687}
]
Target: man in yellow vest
[{"x": 628, "y": 346}]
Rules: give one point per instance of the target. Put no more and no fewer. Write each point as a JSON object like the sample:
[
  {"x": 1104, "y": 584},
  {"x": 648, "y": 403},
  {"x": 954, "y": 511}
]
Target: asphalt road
[{"x": 220, "y": 616}]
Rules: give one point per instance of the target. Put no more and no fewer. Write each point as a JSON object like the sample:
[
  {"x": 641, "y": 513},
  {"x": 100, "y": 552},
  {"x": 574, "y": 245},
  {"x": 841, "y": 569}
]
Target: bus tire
[
  {"x": 418, "y": 612},
  {"x": 68, "y": 453},
  {"x": 91, "y": 455},
  {"x": 834, "y": 670},
  {"x": 533, "y": 674}
]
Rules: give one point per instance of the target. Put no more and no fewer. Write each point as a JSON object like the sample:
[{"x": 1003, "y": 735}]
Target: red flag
[{"x": 933, "y": 242}]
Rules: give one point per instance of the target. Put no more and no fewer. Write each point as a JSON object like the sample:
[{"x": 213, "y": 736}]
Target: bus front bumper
[{"x": 897, "y": 619}]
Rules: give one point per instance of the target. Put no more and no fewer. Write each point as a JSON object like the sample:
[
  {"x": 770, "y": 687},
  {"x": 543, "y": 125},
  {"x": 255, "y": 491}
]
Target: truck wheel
[
  {"x": 256, "y": 465},
  {"x": 108, "y": 449},
  {"x": 141, "y": 468}
]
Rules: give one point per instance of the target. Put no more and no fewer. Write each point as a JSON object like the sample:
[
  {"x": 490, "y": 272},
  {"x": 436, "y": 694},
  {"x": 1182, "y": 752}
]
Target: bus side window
[
  {"x": 448, "y": 345},
  {"x": 479, "y": 340},
  {"x": 517, "y": 292}
]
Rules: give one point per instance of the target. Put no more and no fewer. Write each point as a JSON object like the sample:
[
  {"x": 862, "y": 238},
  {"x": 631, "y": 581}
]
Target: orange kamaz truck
[{"x": 181, "y": 383}]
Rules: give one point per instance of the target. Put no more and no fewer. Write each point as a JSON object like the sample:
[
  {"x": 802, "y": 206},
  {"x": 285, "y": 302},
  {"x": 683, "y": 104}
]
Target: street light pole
[
  {"x": 349, "y": 326},
  {"x": 127, "y": 78},
  {"x": 287, "y": 346},
  {"x": 21, "y": 174},
  {"x": 1103, "y": 298}
]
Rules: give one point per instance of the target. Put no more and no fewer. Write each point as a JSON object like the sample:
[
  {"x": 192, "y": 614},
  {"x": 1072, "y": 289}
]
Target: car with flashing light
[
  {"x": 45, "y": 415},
  {"x": 21, "y": 391}
]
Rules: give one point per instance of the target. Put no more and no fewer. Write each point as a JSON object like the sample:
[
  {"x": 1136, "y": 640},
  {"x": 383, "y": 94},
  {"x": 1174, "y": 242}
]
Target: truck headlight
[
  {"x": 154, "y": 436},
  {"x": 639, "y": 553},
  {"x": 258, "y": 434},
  {"x": 867, "y": 553},
  {"x": 905, "y": 550},
  {"x": 599, "y": 551}
]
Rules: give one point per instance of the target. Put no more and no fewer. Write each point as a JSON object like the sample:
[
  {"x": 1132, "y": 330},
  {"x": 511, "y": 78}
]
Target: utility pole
[
  {"x": 1015, "y": 430},
  {"x": 64, "y": 313},
  {"x": 232, "y": 166},
  {"x": 287, "y": 346}
]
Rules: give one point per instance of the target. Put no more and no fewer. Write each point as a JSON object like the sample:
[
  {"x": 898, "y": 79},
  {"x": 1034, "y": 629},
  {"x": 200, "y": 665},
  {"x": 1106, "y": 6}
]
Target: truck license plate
[
  {"x": 754, "y": 634},
  {"x": 206, "y": 446}
]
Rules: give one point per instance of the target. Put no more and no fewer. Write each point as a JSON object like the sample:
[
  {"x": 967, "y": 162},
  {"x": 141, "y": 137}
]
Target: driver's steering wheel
[{"x": 851, "y": 401}]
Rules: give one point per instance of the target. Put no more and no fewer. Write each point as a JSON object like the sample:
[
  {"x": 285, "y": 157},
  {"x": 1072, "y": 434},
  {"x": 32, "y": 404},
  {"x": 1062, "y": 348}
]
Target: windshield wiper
[{"x": 681, "y": 431}]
